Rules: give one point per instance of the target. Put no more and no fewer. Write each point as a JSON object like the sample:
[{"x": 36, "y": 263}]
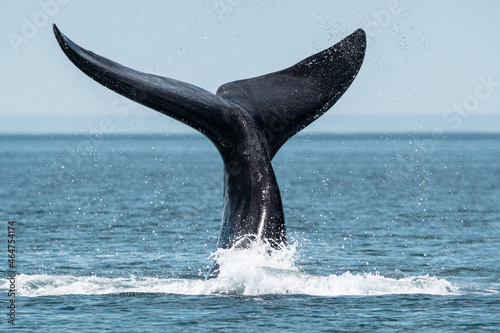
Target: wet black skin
[{"x": 248, "y": 121}]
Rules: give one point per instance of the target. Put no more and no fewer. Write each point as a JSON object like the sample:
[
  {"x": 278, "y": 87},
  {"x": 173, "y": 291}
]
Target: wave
[{"x": 259, "y": 270}]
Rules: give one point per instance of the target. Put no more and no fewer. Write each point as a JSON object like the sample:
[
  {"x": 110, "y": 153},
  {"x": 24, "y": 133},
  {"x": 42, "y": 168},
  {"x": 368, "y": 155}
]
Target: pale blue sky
[{"x": 429, "y": 64}]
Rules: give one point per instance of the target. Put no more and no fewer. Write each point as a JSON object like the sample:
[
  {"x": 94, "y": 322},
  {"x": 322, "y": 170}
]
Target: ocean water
[{"x": 386, "y": 233}]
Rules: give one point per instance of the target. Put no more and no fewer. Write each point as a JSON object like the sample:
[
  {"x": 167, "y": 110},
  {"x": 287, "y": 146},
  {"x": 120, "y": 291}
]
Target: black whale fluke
[{"x": 248, "y": 121}]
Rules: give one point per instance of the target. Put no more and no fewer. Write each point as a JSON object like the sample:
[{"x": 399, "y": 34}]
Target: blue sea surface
[{"x": 386, "y": 233}]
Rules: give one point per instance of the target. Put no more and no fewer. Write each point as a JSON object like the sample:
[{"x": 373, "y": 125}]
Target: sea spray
[{"x": 258, "y": 270}]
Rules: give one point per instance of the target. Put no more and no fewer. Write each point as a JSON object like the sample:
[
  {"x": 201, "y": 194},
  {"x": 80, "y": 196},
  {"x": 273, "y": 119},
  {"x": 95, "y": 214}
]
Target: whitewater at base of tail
[{"x": 260, "y": 270}]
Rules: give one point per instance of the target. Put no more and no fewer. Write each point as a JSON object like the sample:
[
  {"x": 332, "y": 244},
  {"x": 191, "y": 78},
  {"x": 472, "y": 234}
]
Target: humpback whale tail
[{"x": 248, "y": 121}]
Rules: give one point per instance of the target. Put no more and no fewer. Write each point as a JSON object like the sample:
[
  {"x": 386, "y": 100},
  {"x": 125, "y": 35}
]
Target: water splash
[{"x": 258, "y": 270}]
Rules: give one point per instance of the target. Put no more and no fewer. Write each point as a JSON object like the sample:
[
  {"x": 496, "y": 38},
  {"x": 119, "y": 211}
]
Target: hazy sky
[{"x": 429, "y": 64}]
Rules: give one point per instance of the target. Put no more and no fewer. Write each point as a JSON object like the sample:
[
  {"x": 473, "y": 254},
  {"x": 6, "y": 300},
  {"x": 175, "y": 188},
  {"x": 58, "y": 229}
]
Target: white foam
[{"x": 256, "y": 271}]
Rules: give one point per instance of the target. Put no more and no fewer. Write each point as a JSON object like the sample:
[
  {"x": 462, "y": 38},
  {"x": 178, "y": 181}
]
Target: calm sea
[{"x": 387, "y": 232}]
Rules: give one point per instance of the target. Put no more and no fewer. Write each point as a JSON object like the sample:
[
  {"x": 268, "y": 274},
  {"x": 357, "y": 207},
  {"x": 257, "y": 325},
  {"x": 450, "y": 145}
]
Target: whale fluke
[{"x": 248, "y": 121}]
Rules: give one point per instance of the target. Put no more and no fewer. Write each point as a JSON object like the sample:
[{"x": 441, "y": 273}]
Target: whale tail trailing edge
[{"x": 282, "y": 103}]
